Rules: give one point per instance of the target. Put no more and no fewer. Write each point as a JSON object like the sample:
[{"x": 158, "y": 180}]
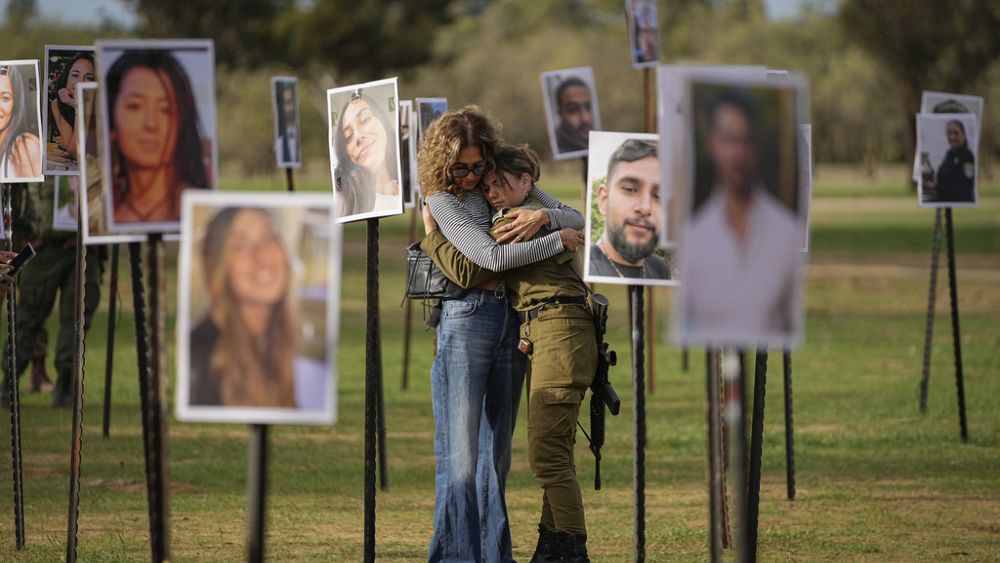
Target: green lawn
[{"x": 876, "y": 479}]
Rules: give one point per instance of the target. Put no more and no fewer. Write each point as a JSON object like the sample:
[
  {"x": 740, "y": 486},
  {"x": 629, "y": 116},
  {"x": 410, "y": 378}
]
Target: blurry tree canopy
[{"x": 926, "y": 44}]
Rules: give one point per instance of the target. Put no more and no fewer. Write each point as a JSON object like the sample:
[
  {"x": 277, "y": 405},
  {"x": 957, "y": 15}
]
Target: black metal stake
[
  {"x": 735, "y": 415},
  {"x": 158, "y": 381},
  {"x": 112, "y": 322},
  {"x": 13, "y": 390},
  {"x": 373, "y": 346},
  {"x": 79, "y": 358},
  {"x": 289, "y": 179},
  {"x": 715, "y": 470},
  {"x": 684, "y": 359},
  {"x": 257, "y": 492},
  {"x": 155, "y": 502},
  {"x": 786, "y": 357},
  {"x": 956, "y": 332},
  {"x": 637, "y": 314},
  {"x": 931, "y": 299},
  {"x": 756, "y": 449}
]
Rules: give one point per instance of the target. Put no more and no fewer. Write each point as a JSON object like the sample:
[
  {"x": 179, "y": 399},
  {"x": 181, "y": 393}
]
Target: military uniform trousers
[
  {"x": 563, "y": 359},
  {"x": 50, "y": 273}
]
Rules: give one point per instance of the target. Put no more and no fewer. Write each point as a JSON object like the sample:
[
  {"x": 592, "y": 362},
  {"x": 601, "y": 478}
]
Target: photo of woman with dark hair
[
  {"x": 20, "y": 145},
  {"x": 365, "y": 150},
  {"x": 256, "y": 279},
  {"x": 949, "y": 139},
  {"x": 159, "y": 144},
  {"x": 69, "y": 66}
]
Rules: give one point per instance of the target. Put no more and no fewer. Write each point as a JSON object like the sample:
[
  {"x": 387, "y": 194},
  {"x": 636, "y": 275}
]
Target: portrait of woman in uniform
[{"x": 947, "y": 147}]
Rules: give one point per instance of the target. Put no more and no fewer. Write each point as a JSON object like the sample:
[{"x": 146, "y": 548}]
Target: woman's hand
[
  {"x": 429, "y": 223},
  {"x": 571, "y": 238},
  {"x": 6, "y": 280},
  {"x": 26, "y": 157},
  {"x": 67, "y": 98},
  {"x": 524, "y": 224}
]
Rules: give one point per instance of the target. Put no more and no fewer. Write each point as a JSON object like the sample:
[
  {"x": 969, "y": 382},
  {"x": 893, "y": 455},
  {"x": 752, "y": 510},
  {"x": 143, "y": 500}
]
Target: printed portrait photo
[
  {"x": 571, "y": 112},
  {"x": 158, "y": 102},
  {"x": 364, "y": 150},
  {"x": 944, "y": 102},
  {"x": 428, "y": 110},
  {"x": 21, "y": 149},
  {"x": 948, "y": 149},
  {"x": 643, "y": 32},
  {"x": 406, "y": 138},
  {"x": 89, "y": 144},
  {"x": 743, "y": 215},
  {"x": 287, "y": 142},
  {"x": 624, "y": 212},
  {"x": 259, "y": 280},
  {"x": 65, "y": 66},
  {"x": 66, "y": 204}
]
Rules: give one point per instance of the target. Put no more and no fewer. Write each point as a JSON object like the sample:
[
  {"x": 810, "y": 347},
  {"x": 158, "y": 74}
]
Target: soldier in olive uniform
[
  {"x": 557, "y": 334},
  {"x": 51, "y": 274}
]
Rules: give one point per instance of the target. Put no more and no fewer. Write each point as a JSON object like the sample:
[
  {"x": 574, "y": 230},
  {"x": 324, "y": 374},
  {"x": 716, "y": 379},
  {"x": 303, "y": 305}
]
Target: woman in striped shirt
[{"x": 477, "y": 374}]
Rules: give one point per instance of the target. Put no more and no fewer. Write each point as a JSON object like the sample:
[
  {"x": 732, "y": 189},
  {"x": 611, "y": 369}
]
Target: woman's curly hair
[{"x": 446, "y": 137}]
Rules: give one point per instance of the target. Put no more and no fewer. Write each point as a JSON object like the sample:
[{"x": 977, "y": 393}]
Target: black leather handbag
[{"x": 424, "y": 280}]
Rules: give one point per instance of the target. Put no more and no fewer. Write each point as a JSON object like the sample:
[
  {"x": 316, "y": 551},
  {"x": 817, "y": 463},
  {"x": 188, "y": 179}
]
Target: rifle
[{"x": 601, "y": 392}]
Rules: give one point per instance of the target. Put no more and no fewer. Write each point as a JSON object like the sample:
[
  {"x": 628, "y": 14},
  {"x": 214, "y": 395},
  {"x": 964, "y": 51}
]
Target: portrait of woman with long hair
[
  {"x": 20, "y": 145},
  {"x": 64, "y": 70},
  {"x": 158, "y": 144},
  {"x": 256, "y": 308},
  {"x": 364, "y": 150}
]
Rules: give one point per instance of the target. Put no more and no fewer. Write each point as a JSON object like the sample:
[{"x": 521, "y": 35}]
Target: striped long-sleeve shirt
[{"x": 466, "y": 223}]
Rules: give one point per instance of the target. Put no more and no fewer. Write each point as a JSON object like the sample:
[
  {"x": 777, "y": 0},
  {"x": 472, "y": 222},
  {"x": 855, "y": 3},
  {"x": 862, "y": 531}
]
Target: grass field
[{"x": 876, "y": 479}]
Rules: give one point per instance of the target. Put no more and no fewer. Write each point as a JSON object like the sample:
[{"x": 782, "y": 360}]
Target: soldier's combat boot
[
  {"x": 545, "y": 551},
  {"x": 572, "y": 548},
  {"x": 39, "y": 379}
]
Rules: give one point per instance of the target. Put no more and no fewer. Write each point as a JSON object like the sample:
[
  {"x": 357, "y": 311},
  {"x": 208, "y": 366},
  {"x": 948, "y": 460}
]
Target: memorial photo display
[
  {"x": 948, "y": 149},
  {"x": 743, "y": 213},
  {"x": 624, "y": 214},
  {"x": 158, "y": 122},
  {"x": 571, "y": 113},
  {"x": 258, "y": 300},
  {"x": 21, "y": 146},
  {"x": 287, "y": 133},
  {"x": 364, "y": 150},
  {"x": 65, "y": 67}
]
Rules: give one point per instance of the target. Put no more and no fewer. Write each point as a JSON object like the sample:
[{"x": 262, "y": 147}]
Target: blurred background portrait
[
  {"x": 256, "y": 318},
  {"x": 643, "y": 32},
  {"x": 428, "y": 110},
  {"x": 743, "y": 234},
  {"x": 287, "y": 134},
  {"x": 571, "y": 110},
  {"x": 364, "y": 150},
  {"x": 20, "y": 124},
  {"x": 405, "y": 140},
  {"x": 65, "y": 67},
  {"x": 159, "y": 115}
]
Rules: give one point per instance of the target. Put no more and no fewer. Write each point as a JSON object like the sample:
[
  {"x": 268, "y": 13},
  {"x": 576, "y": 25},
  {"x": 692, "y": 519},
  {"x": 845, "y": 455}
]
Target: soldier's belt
[{"x": 533, "y": 314}]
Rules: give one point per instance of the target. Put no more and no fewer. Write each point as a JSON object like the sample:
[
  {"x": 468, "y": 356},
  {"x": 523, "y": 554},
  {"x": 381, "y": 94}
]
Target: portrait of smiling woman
[
  {"x": 65, "y": 68},
  {"x": 364, "y": 150},
  {"x": 20, "y": 145},
  {"x": 158, "y": 142},
  {"x": 256, "y": 280}
]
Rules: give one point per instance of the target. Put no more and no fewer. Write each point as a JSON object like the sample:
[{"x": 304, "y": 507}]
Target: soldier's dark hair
[
  {"x": 568, "y": 83},
  {"x": 738, "y": 101},
  {"x": 631, "y": 151}
]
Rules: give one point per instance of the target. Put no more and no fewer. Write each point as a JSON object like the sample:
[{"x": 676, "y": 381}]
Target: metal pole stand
[
  {"x": 112, "y": 322},
  {"x": 373, "y": 360},
  {"x": 257, "y": 492},
  {"x": 735, "y": 417},
  {"x": 715, "y": 469},
  {"x": 636, "y": 312},
  {"x": 931, "y": 299},
  {"x": 14, "y": 392},
  {"x": 79, "y": 358},
  {"x": 955, "y": 331},
  {"x": 756, "y": 448},
  {"x": 789, "y": 430}
]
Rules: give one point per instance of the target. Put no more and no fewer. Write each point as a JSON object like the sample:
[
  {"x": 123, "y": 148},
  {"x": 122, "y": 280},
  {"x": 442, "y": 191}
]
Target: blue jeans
[{"x": 476, "y": 385}]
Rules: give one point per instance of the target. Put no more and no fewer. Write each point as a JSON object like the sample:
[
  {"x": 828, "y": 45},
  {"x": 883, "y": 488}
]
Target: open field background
[{"x": 876, "y": 480}]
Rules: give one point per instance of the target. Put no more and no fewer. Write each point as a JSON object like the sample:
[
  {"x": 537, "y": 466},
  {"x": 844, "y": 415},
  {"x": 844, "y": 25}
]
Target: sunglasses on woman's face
[{"x": 461, "y": 170}]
